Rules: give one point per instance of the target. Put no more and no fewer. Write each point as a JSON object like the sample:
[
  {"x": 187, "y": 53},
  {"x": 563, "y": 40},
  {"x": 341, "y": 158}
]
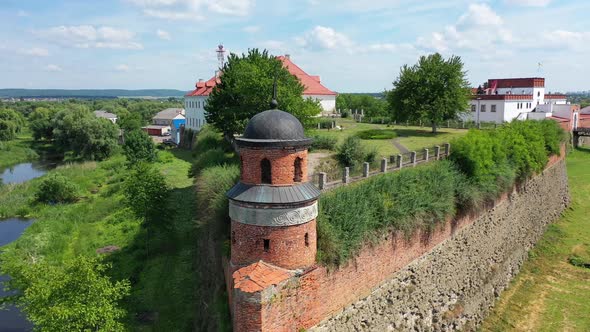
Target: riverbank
[
  {"x": 551, "y": 293},
  {"x": 17, "y": 151},
  {"x": 160, "y": 266}
]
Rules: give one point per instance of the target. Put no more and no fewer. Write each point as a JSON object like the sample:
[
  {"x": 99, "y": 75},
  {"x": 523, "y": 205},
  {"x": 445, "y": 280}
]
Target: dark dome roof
[
  {"x": 275, "y": 125},
  {"x": 272, "y": 127}
]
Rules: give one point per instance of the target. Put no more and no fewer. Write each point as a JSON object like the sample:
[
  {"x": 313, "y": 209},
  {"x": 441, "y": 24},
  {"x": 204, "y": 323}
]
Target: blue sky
[{"x": 355, "y": 46}]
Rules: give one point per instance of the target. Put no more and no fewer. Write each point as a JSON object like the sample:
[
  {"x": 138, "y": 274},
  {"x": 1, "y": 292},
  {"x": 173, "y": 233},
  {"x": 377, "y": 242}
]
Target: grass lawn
[
  {"x": 413, "y": 138},
  {"x": 160, "y": 266},
  {"x": 17, "y": 151},
  {"x": 550, "y": 294}
]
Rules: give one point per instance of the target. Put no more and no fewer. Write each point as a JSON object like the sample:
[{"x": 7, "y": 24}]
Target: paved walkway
[{"x": 399, "y": 146}]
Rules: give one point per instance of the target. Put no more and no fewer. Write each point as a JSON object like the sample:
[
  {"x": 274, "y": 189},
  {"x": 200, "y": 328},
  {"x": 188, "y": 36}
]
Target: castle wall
[{"x": 441, "y": 281}]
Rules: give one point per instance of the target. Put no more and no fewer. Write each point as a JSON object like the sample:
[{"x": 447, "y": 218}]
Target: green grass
[
  {"x": 551, "y": 294},
  {"x": 377, "y": 134},
  {"x": 17, "y": 151},
  {"x": 160, "y": 266},
  {"x": 414, "y": 138}
]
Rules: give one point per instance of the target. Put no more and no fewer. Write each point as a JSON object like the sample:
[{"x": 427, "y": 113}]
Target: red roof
[
  {"x": 203, "y": 88},
  {"x": 528, "y": 82},
  {"x": 559, "y": 118},
  {"x": 547, "y": 96},
  {"x": 311, "y": 83}
]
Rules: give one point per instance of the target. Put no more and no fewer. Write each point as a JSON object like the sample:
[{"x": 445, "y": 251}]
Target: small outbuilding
[{"x": 106, "y": 115}]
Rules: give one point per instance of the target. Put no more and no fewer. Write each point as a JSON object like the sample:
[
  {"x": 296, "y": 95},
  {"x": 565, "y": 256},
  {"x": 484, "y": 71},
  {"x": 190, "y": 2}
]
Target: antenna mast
[{"x": 220, "y": 56}]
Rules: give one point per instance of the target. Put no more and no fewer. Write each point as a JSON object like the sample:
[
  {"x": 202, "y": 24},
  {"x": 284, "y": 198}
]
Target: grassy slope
[
  {"x": 549, "y": 294},
  {"x": 17, "y": 151},
  {"x": 160, "y": 267},
  {"x": 414, "y": 138}
]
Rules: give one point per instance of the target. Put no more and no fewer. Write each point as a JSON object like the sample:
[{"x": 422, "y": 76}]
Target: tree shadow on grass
[{"x": 161, "y": 264}]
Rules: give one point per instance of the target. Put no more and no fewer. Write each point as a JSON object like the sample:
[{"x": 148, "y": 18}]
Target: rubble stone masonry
[{"x": 443, "y": 281}]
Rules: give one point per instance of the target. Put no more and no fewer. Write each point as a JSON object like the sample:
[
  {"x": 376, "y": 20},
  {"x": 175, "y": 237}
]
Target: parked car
[{"x": 169, "y": 142}]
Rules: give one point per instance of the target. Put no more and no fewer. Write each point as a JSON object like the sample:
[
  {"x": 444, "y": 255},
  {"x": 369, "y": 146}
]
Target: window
[
  {"x": 473, "y": 108},
  {"x": 298, "y": 172},
  {"x": 538, "y": 93},
  {"x": 266, "y": 245},
  {"x": 307, "y": 239},
  {"x": 483, "y": 108},
  {"x": 233, "y": 237},
  {"x": 265, "y": 171},
  {"x": 198, "y": 104},
  {"x": 493, "y": 108}
]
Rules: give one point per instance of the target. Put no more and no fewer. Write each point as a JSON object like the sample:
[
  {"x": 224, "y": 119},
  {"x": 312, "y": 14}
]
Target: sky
[{"x": 355, "y": 46}]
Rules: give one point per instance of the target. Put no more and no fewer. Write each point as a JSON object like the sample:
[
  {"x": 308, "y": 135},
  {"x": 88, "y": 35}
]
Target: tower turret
[{"x": 273, "y": 208}]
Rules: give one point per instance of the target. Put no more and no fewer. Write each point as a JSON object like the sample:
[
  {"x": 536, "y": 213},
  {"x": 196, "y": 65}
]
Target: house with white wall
[
  {"x": 512, "y": 98},
  {"x": 195, "y": 100}
]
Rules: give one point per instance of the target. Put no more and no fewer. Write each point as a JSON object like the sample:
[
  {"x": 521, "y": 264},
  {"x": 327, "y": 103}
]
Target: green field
[
  {"x": 17, "y": 151},
  {"x": 160, "y": 266},
  {"x": 413, "y": 138},
  {"x": 551, "y": 294}
]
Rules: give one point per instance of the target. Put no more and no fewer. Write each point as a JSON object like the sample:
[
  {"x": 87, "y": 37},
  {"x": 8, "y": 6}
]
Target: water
[
  {"x": 11, "y": 319},
  {"x": 23, "y": 172}
]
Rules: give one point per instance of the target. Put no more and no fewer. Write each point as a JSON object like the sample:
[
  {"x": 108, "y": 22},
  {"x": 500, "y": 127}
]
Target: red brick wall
[
  {"x": 282, "y": 165},
  {"x": 287, "y": 244}
]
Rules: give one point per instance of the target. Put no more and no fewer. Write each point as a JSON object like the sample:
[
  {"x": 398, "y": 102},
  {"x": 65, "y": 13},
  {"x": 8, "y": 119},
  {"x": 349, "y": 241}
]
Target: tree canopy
[
  {"x": 139, "y": 147},
  {"x": 78, "y": 131},
  {"x": 246, "y": 88},
  {"x": 433, "y": 90},
  {"x": 75, "y": 296}
]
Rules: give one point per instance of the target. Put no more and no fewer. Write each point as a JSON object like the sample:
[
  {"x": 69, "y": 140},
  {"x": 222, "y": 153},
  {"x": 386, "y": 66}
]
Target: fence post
[
  {"x": 346, "y": 175},
  {"x": 413, "y": 158},
  {"x": 319, "y": 126},
  {"x": 447, "y": 149},
  {"x": 426, "y": 155},
  {"x": 400, "y": 161},
  {"x": 322, "y": 180},
  {"x": 383, "y": 165},
  {"x": 463, "y": 124},
  {"x": 392, "y": 159},
  {"x": 437, "y": 152},
  {"x": 333, "y": 124},
  {"x": 366, "y": 170}
]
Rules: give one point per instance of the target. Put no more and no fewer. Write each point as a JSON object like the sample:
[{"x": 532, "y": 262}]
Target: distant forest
[{"x": 88, "y": 93}]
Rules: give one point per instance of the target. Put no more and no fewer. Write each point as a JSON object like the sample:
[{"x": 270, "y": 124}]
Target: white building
[
  {"x": 513, "y": 98},
  {"x": 195, "y": 101},
  {"x": 106, "y": 115}
]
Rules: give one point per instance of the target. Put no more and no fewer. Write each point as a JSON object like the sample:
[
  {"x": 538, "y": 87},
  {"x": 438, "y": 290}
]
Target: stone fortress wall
[{"x": 445, "y": 280}]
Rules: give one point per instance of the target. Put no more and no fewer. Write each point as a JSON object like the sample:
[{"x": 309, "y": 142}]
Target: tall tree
[
  {"x": 433, "y": 90},
  {"x": 246, "y": 88},
  {"x": 41, "y": 123},
  {"x": 139, "y": 146},
  {"x": 75, "y": 296}
]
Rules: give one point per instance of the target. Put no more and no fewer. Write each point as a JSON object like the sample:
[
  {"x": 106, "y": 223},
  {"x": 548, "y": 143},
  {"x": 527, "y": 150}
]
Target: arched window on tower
[
  {"x": 298, "y": 172},
  {"x": 265, "y": 171}
]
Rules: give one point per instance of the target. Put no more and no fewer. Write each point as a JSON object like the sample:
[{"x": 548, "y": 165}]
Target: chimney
[
  {"x": 288, "y": 56},
  {"x": 217, "y": 72}
]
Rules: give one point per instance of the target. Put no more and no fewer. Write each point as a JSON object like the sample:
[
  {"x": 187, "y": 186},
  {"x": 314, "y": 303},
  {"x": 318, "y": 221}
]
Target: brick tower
[{"x": 273, "y": 208}]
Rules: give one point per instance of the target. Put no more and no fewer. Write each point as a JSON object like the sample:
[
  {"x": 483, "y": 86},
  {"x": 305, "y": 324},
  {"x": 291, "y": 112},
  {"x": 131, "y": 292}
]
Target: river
[{"x": 11, "y": 319}]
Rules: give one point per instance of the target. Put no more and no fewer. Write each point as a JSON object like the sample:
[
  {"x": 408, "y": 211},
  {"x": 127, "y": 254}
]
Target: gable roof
[
  {"x": 169, "y": 113},
  {"x": 311, "y": 83},
  {"x": 105, "y": 114}
]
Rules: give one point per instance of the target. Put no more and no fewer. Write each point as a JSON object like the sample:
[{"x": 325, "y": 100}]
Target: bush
[
  {"x": 7, "y": 130},
  {"x": 344, "y": 114},
  {"x": 377, "y": 134},
  {"x": 139, "y": 147},
  {"x": 351, "y": 152},
  {"x": 210, "y": 158},
  {"x": 208, "y": 138},
  {"x": 324, "y": 143},
  {"x": 146, "y": 193},
  {"x": 57, "y": 189},
  {"x": 407, "y": 200}
]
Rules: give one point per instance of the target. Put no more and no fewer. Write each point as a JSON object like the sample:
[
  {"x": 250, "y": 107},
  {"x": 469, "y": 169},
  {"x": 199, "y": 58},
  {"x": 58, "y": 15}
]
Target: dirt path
[
  {"x": 399, "y": 146},
  {"x": 314, "y": 159}
]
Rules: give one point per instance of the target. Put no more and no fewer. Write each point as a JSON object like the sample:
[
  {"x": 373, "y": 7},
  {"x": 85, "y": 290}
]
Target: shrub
[
  {"x": 414, "y": 198},
  {"x": 8, "y": 130},
  {"x": 57, "y": 189},
  {"x": 344, "y": 114},
  {"x": 139, "y": 147},
  {"x": 208, "y": 138},
  {"x": 146, "y": 193},
  {"x": 323, "y": 143},
  {"x": 377, "y": 134},
  {"x": 351, "y": 152},
  {"x": 209, "y": 158}
]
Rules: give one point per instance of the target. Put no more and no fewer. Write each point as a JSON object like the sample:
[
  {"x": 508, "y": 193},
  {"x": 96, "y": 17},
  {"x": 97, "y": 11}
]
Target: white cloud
[
  {"x": 480, "y": 29},
  {"x": 570, "y": 39},
  {"x": 122, "y": 68},
  {"x": 322, "y": 37},
  {"x": 52, "y": 68},
  {"x": 192, "y": 9},
  {"x": 164, "y": 35},
  {"x": 35, "y": 51},
  {"x": 251, "y": 29},
  {"x": 88, "y": 36},
  {"x": 531, "y": 3}
]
